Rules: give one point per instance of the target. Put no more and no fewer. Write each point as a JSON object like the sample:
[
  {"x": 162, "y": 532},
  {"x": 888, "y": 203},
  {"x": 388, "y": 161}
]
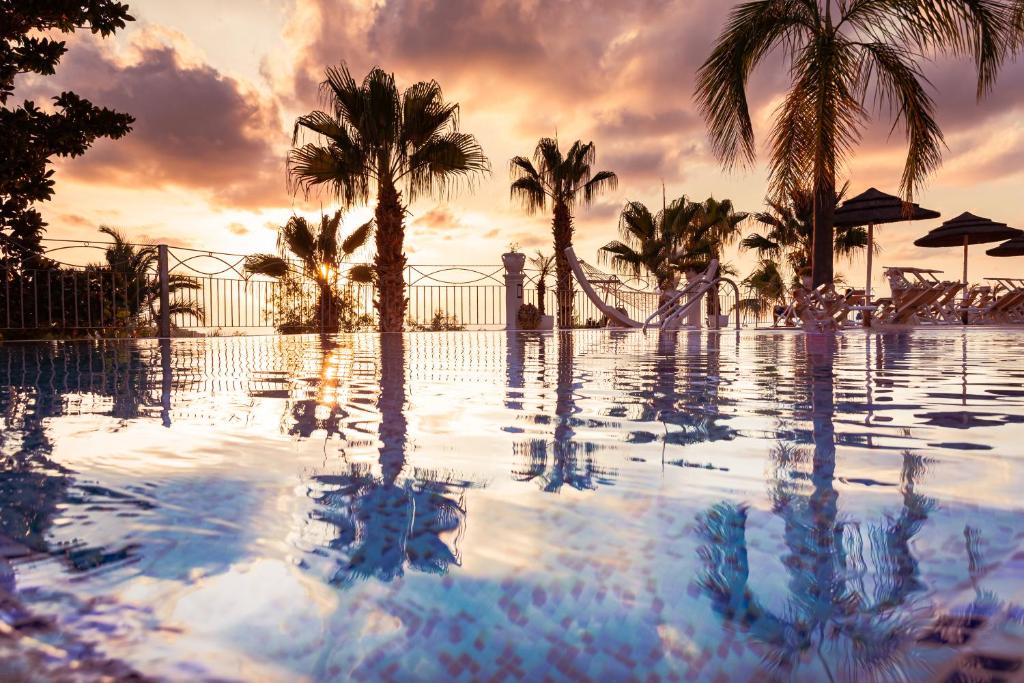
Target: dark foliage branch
[{"x": 30, "y": 137}]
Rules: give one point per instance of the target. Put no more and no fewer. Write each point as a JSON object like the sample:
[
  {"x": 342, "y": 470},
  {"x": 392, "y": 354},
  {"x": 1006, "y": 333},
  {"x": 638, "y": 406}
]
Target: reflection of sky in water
[{"x": 599, "y": 504}]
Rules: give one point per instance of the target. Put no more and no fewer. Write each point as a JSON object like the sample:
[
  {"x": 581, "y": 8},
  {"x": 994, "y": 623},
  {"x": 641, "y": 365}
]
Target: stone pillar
[{"x": 514, "y": 279}]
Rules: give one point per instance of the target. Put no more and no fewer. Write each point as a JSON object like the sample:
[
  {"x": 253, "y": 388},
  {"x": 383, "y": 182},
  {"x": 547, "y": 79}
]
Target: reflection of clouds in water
[{"x": 833, "y": 517}]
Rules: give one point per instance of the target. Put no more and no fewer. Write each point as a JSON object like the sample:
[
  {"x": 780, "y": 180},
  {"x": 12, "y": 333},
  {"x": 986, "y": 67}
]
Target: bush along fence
[{"x": 97, "y": 289}]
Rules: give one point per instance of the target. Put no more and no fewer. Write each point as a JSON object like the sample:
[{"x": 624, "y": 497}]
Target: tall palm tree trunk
[
  {"x": 326, "y": 313},
  {"x": 561, "y": 228},
  {"x": 824, "y": 219},
  {"x": 391, "y": 405},
  {"x": 390, "y": 259},
  {"x": 542, "y": 291}
]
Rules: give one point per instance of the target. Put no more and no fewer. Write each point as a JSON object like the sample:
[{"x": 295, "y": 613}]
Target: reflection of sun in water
[{"x": 334, "y": 387}]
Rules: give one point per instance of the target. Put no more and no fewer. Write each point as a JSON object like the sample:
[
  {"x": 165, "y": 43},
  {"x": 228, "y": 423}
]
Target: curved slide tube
[{"x": 588, "y": 289}]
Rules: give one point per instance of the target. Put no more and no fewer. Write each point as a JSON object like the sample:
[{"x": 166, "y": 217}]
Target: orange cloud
[{"x": 195, "y": 127}]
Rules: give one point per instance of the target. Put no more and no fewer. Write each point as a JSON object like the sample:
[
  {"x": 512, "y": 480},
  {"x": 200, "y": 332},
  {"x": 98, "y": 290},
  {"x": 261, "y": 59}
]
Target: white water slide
[{"x": 670, "y": 312}]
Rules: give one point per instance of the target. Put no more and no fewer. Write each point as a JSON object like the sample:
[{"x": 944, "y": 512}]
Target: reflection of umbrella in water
[
  {"x": 965, "y": 419},
  {"x": 966, "y": 229},
  {"x": 874, "y": 207},
  {"x": 1013, "y": 247}
]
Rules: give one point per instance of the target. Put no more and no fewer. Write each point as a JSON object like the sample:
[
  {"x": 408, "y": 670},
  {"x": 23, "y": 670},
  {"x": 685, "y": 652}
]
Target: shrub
[{"x": 528, "y": 317}]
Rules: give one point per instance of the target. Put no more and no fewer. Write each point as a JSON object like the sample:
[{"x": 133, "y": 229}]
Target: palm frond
[
  {"x": 297, "y": 237},
  {"x": 761, "y": 244},
  {"x": 359, "y": 238},
  {"x": 181, "y": 283},
  {"x": 530, "y": 193},
  {"x": 543, "y": 263},
  {"x": 899, "y": 84},
  {"x": 266, "y": 264},
  {"x": 425, "y": 114},
  {"x": 443, "y": 160},
  {"x": 361, "y": 273},
  {"x": 340, "y": 89},
  {"x": 189, "y": 308},
  {"x": 622, "y": 257},
  {"x": 345, "y": 171},
  {"x": 601, "y": 181},
  {"x": 753, "y": 29}
]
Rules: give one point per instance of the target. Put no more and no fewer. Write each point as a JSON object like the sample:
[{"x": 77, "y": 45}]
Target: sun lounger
[
  {"x": 822, "y": 309},
  {"x": 917, "y": 296},
  {"x": 1007, "y": 303}
]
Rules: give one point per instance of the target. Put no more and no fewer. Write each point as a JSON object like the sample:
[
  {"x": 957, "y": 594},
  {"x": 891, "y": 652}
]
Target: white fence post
[
  {"x": 514, "y": 280},
  {"x": 165, "y": 292}
]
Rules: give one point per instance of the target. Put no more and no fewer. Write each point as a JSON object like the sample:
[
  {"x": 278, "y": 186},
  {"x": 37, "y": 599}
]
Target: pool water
[{"x": 595, "y": 505}]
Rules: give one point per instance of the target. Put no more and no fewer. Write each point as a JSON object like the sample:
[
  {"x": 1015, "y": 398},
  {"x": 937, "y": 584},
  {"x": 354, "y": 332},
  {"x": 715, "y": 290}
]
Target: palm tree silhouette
[
  {"x": 375, "y": 136},
  {"x": 832, "y": 615},
  {"x": 134, "y": 296},
  {"x": 563, "y": 461},
  {"x": 383, "y": 523},
  {"x": 563, "y": 182},
  {"x": 653, "y": 241},
  {"x": 321, "y": 253},
  {"x": 834, "y": 62},
  {"x": 544, "y": 265}
]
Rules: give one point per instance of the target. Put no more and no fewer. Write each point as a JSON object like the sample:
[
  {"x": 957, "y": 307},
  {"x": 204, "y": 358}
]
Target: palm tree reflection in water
[
  {"x": 383, "y": 523},
  {"x": 563, "y": 461},
  {"x": 856, "y": 628}
]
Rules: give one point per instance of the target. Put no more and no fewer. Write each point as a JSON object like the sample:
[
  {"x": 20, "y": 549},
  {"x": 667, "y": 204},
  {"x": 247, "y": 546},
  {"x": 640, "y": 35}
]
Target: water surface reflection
[{"x": 587, "y": 504}]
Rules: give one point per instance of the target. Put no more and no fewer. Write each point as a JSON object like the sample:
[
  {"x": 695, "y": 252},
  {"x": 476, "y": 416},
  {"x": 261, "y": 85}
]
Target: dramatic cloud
[
  {"x": 619, "y": 73},
  {"x": 195, "y": 127}
]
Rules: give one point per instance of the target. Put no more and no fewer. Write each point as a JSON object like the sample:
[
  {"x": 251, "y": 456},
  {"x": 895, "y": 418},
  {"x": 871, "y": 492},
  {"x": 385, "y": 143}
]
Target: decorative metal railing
[{"x": 91, "y": 289}]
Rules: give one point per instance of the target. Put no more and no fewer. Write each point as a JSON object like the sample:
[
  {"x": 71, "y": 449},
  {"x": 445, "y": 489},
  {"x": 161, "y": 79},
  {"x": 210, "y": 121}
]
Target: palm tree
[
  {"x": 790, "y": 233},
  {"x": 135, "y": 292},
  {"x": 718, "y": 225},
  {"x": 652, "y": 242},
  {"x": 834, "y": 61},
  {"x": 397, "y": 142},
  {"x": 321, "y": 253},
  {"x": 563, "y": 183},
  {"x": 544, "y": 265}
]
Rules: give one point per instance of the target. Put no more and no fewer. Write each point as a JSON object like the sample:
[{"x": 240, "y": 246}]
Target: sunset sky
[{"x": 216, "y": 86}]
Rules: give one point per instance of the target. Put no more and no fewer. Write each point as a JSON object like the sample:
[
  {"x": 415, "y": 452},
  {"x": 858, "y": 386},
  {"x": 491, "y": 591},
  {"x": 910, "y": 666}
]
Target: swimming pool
[{"x": 482, "y": 506}]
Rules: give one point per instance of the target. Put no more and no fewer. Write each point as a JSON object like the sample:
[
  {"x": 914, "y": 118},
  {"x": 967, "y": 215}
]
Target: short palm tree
[
  {"x": 652, "y": 241},
  {"x": 789, "y": 233},
  {"x": 321, "y": 252},
  {"x": 561, "y": 183},
  {"x": 396, "y": 142},
  {"x": 834, "y": 61},
  {"x": 135, "y": 290},
  {"x": 544, "y": 265}
]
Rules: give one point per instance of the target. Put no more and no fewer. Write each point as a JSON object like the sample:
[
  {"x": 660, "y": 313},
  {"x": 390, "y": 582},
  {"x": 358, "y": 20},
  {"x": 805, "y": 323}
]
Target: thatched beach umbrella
[
  {"x": 874, "y": 207},
  {"x": 966, "y": 229},
  {"x": 1013, "y": 247}
]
